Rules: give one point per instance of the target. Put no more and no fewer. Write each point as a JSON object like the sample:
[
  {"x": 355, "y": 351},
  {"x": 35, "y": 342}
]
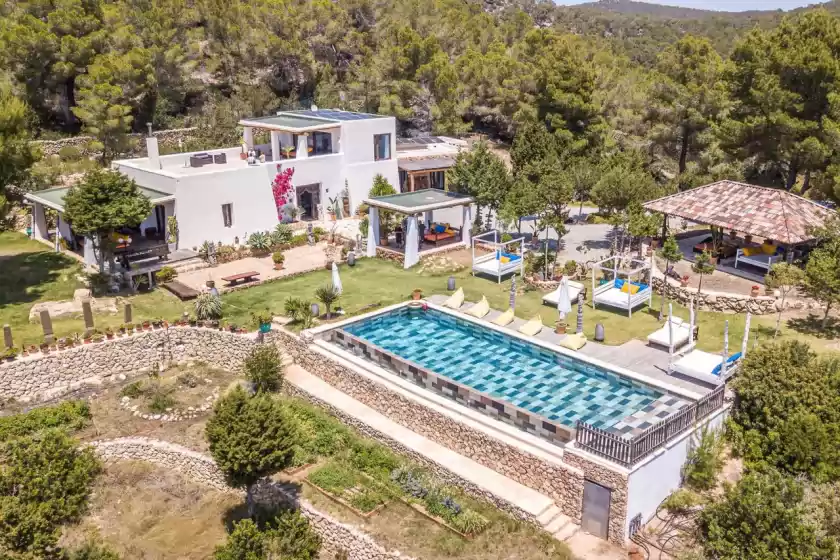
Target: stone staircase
[
  {"x": 188, "y": 265},
  {"x": 556, "y": 523}
]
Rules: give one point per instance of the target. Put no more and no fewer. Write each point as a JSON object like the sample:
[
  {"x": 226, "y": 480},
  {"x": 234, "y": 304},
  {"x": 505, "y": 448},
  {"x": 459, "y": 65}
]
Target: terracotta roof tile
[{"x": 761, "y": 211}]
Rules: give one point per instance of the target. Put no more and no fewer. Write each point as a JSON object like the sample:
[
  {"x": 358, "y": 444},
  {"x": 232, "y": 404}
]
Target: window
[
  {"x": 381, "y": 146},
  {"x": 227, "y": 214}
]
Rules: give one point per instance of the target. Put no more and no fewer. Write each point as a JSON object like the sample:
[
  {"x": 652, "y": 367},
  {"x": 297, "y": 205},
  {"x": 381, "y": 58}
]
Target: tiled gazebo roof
[{"x": 760, "y": 211}]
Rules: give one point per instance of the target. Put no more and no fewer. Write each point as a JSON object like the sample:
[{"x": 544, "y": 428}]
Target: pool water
[{"x": 553, "y": 385}]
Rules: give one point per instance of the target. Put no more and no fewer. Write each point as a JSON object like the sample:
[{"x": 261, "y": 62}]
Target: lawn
[{"x": 32, "y": 273}]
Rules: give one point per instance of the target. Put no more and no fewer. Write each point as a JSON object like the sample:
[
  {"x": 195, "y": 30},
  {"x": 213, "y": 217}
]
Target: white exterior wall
[
  {"x": 199, "y": 200},
  {"x": 360, "y": 167},
  {"x": 325, "y": 170},
  {"x": 658, "y": 476}
]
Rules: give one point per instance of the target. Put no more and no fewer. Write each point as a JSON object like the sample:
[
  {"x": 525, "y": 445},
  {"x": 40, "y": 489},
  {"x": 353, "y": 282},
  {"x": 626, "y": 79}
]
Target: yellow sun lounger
[
  {"x": 532, "y": 327},
  {"x": 480, "y": 309}
]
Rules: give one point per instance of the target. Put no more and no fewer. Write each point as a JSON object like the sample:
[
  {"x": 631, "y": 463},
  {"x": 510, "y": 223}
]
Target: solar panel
[
  {"x": 420, "y": 141},
  {"x": 336, "y": 114}
]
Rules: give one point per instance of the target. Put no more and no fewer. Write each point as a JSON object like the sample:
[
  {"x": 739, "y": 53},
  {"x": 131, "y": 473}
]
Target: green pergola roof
[
  {"x": 289, "y": 122},
  {"x": 419, "y": 201},
  {"x": 54, "y": 198}
]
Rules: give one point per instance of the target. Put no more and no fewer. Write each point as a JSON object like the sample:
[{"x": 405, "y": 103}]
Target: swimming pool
[{"x": 549, "y": 384}]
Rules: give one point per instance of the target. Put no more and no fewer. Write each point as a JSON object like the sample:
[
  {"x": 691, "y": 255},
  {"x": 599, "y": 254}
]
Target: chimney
[{"x": 152, "y": 149}]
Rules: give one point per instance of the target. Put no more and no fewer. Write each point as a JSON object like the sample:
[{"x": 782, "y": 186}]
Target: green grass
[{"x": 32, "y": 273}]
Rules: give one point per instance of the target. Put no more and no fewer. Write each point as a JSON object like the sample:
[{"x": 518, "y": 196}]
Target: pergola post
[
  {"x": 275, "y": 145},
  {"x": 302, "y": 151},
  {"x": 248, "y": 137},
  {"x": 39, "y": 218}
]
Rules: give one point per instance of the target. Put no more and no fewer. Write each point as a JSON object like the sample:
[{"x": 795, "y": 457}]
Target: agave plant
[
  {"x": 208, "y": 307},
  {"x": 327, "y": 295},
  {"x": 282, "y": 234},
  {"x": 260, "y": 242}
]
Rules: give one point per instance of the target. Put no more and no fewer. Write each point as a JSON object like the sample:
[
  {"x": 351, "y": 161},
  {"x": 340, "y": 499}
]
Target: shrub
[
  {"x": 259, "y": 242},
  {"x": 373, "y": 459},
  {"x": 506, "y": 237},
  {"x": 166, "y": 274},
  {"x": 319, "y": 434},
  {"x": 264, "y": 368},
  {"x": 278, "y": 257},
  {"x": 132, "y": 390},
  {"x": 364, "y": 224},
  {"x": 282, "y": 234},
  {"x": 160, "y": 401},
  {"x": 328, "y": 295},
  {"x": 208, "y": 307},
  {"x": 333, "y": 477},
  {"x": 70, "y": 153},
  {"x": 682, "y": 501},
  {"x": 787, "y": 410},
  {"x": 299, "y": 310},
  {"x": 293, "y": 537},
  {"x": 761, "y": 518},
  {"x": 570, "y": 268},
  {"x": 188, "y": 379},
  {"x": 93, "y": 551},
  {"x": 70, "y": 416},
  {"x": 704, "y": 461},
  {"x": 469, "y": 522},
  {"x": 366, "y": 500},
  {"x": 99, "y": 283},
  {"x": 410, "y": 482}
]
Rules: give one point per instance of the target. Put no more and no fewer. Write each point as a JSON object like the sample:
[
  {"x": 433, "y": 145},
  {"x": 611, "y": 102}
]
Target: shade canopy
[
  {"x": 769, "y": 213},
  {"x": 426, "y": 164},
  {"x": 54, "y": 198},
  {"x": 419, "y": 201}
]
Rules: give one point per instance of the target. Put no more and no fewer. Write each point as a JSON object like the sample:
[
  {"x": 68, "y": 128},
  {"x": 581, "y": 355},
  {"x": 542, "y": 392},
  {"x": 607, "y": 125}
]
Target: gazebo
[
  {"x": 781, "y": 219},
  {"x": 433, "y": 237}
]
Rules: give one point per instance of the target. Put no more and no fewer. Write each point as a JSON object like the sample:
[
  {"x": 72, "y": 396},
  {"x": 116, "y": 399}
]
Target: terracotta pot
[
  {"x": 560, "y": 328},
  {"x": 278, "y": 266},
  {"x": 754, "y": 292},
  {"x": 684, "y": 283},
  {"x": 416, "y": 294}
]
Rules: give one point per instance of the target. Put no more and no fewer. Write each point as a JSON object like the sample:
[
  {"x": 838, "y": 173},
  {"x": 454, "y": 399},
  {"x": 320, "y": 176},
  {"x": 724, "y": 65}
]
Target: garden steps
[
  {"x": 555, "y": 522},
  {"x": 189, "y": 265}
]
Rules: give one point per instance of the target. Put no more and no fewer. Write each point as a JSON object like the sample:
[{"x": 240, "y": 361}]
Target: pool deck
[{"x": 634, "y": 355}]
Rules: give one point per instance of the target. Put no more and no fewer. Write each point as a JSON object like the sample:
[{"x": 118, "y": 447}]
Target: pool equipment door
[{"x": 596, "y": 509}]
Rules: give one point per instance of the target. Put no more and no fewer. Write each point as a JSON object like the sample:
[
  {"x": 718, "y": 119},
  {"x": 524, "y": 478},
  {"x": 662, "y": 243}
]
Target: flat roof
[
  {"x": 54, "y": 198},
  {"x": 306, "y": 120},
  {"x": 426, "y": 164},
  {"x": 419, "y": 201}
]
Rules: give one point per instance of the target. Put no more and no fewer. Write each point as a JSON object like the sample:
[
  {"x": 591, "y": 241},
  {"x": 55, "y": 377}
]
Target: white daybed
[
  {"x": 610, "y": 293},
  {"x": 705, "y": 366},
  {"x": 762, "y": 260},
  {"x": 575, "y": 290},
  {"x": 679, "y": 329},
  {"x": 491, "y": 263}
]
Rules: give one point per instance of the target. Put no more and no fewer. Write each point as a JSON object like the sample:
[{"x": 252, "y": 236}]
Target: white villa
[{"x": 222, "y": 195}]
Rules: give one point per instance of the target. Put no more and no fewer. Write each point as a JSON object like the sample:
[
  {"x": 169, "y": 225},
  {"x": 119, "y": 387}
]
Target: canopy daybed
[
  {"x": 705, "y": 366},
  {"x": 622, "y": 293},
  {"x": 674, "y": 332},
  {"x": 503, "y": 257}
]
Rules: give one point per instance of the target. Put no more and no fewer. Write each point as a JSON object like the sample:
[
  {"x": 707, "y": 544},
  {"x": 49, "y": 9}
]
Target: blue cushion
[
  {"x": 642, "y": 287},
  {"x": 619, "y": 283},
  {"x": 511, "y": 256},
  {"x": 733, "y": 358},
  {"x": 716, "y": 371},
  {"x": 440, "y": 228}
]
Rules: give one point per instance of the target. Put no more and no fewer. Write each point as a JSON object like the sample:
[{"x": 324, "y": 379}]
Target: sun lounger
[
  {"x": 705, "y": 366},
  {"x": 480, "y": 309},
  {"x": 456, "y": 300},
  {"x": 576, "y": 289},
  {"x": 532, "y": 327},
  {"x": 681, "y": 331},
  {"x": 504, "y": 319}
]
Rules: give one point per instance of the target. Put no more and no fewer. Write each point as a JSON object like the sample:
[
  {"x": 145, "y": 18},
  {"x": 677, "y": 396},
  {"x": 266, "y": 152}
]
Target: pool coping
[{"x": 638, "y": 378}]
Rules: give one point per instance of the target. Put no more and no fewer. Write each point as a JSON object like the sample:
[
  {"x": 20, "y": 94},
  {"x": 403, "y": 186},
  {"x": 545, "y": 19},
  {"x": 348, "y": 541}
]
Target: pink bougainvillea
[{"x": 281, "y": 188}]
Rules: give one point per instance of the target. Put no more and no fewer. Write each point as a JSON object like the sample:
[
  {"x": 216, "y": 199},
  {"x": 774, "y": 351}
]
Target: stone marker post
[
  {"x": 46, "y": 324},
  {"x": 7, "y": 337},
  {"x": 127, "y": 314},
  {"x": 87, "y": 312}
]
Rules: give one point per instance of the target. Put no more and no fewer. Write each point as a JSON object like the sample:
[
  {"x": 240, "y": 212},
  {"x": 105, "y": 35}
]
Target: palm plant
[
  {"x": 208, "y": 307},
  {"x": 299, "y": 310},
  {"x": 260, "y": 242},
  {"x": 282, "y": 234},
  {"x": 328, "y": 295}
]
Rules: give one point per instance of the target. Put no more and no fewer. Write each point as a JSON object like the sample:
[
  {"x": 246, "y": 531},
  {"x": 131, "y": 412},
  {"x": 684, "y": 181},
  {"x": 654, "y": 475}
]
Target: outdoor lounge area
[
  {"x": 751, "y": 227},
  {"x": 411, "y": 224}
]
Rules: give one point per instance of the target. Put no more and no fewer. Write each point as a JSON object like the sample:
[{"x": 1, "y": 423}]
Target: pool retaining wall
[{"x": 561, "y": 480}]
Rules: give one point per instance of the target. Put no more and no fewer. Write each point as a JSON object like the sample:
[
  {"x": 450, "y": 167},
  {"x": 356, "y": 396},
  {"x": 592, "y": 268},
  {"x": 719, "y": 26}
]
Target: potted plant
[
  {"x": 88, "y": 337},
  {"x": 235, "y": 328},
  {"x": 77, "y": 339},
  {"x": 748, "y": 239},
  {"x": 138, "y": 327},
  {"x": 262, "y": 320},
  {"x": 122, "y": 329},
  {"x": 109, "y": 333},
  {"x": 417, "y": 294},
  {"x": 755, "y": 290},
  {"x": 193, "y": 322},
  {"x": 32, "y": 348},
  {"x": 45, "y": 348},
  {"x": 210, "y": 284},
  {"x": 684, "y": 280},
  {"x": 278, "y": 258},
  {"x": 61, "y": 343},
  {"x": 157, "y": 323},
  {"x": 560, "y": 326},
  {"x": 97, "y": 337},
  {"x": 146, "y": 325}
]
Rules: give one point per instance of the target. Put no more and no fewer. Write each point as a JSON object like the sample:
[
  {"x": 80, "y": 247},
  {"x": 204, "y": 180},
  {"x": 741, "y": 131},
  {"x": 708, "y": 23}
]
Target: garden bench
[{"x": 249, "y": 276}]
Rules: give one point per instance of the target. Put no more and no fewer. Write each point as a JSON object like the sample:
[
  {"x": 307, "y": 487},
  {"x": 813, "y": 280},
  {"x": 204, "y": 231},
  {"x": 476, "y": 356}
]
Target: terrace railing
[{"x": 629, "y": 451}]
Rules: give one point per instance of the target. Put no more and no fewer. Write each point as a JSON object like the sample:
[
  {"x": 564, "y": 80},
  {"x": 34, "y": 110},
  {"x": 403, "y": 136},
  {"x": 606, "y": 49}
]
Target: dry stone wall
[
  {"x": 562, "y": 483},
  {"x": 166, "y": 139},
  {"x": 44, "y": 376},
  {"x": 713, "y": 301},
  {"x": 336, "y": 536}
]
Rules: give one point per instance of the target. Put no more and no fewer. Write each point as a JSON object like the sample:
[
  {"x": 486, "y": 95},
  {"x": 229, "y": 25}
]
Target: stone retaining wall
[
  {"x": 336, "y": 536},
  {"x": 166, "y": 139},
  {"x": 713, "y": 301},
  {"x": 559, "y": 481},
  {"x": 44, "y": 375}
]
